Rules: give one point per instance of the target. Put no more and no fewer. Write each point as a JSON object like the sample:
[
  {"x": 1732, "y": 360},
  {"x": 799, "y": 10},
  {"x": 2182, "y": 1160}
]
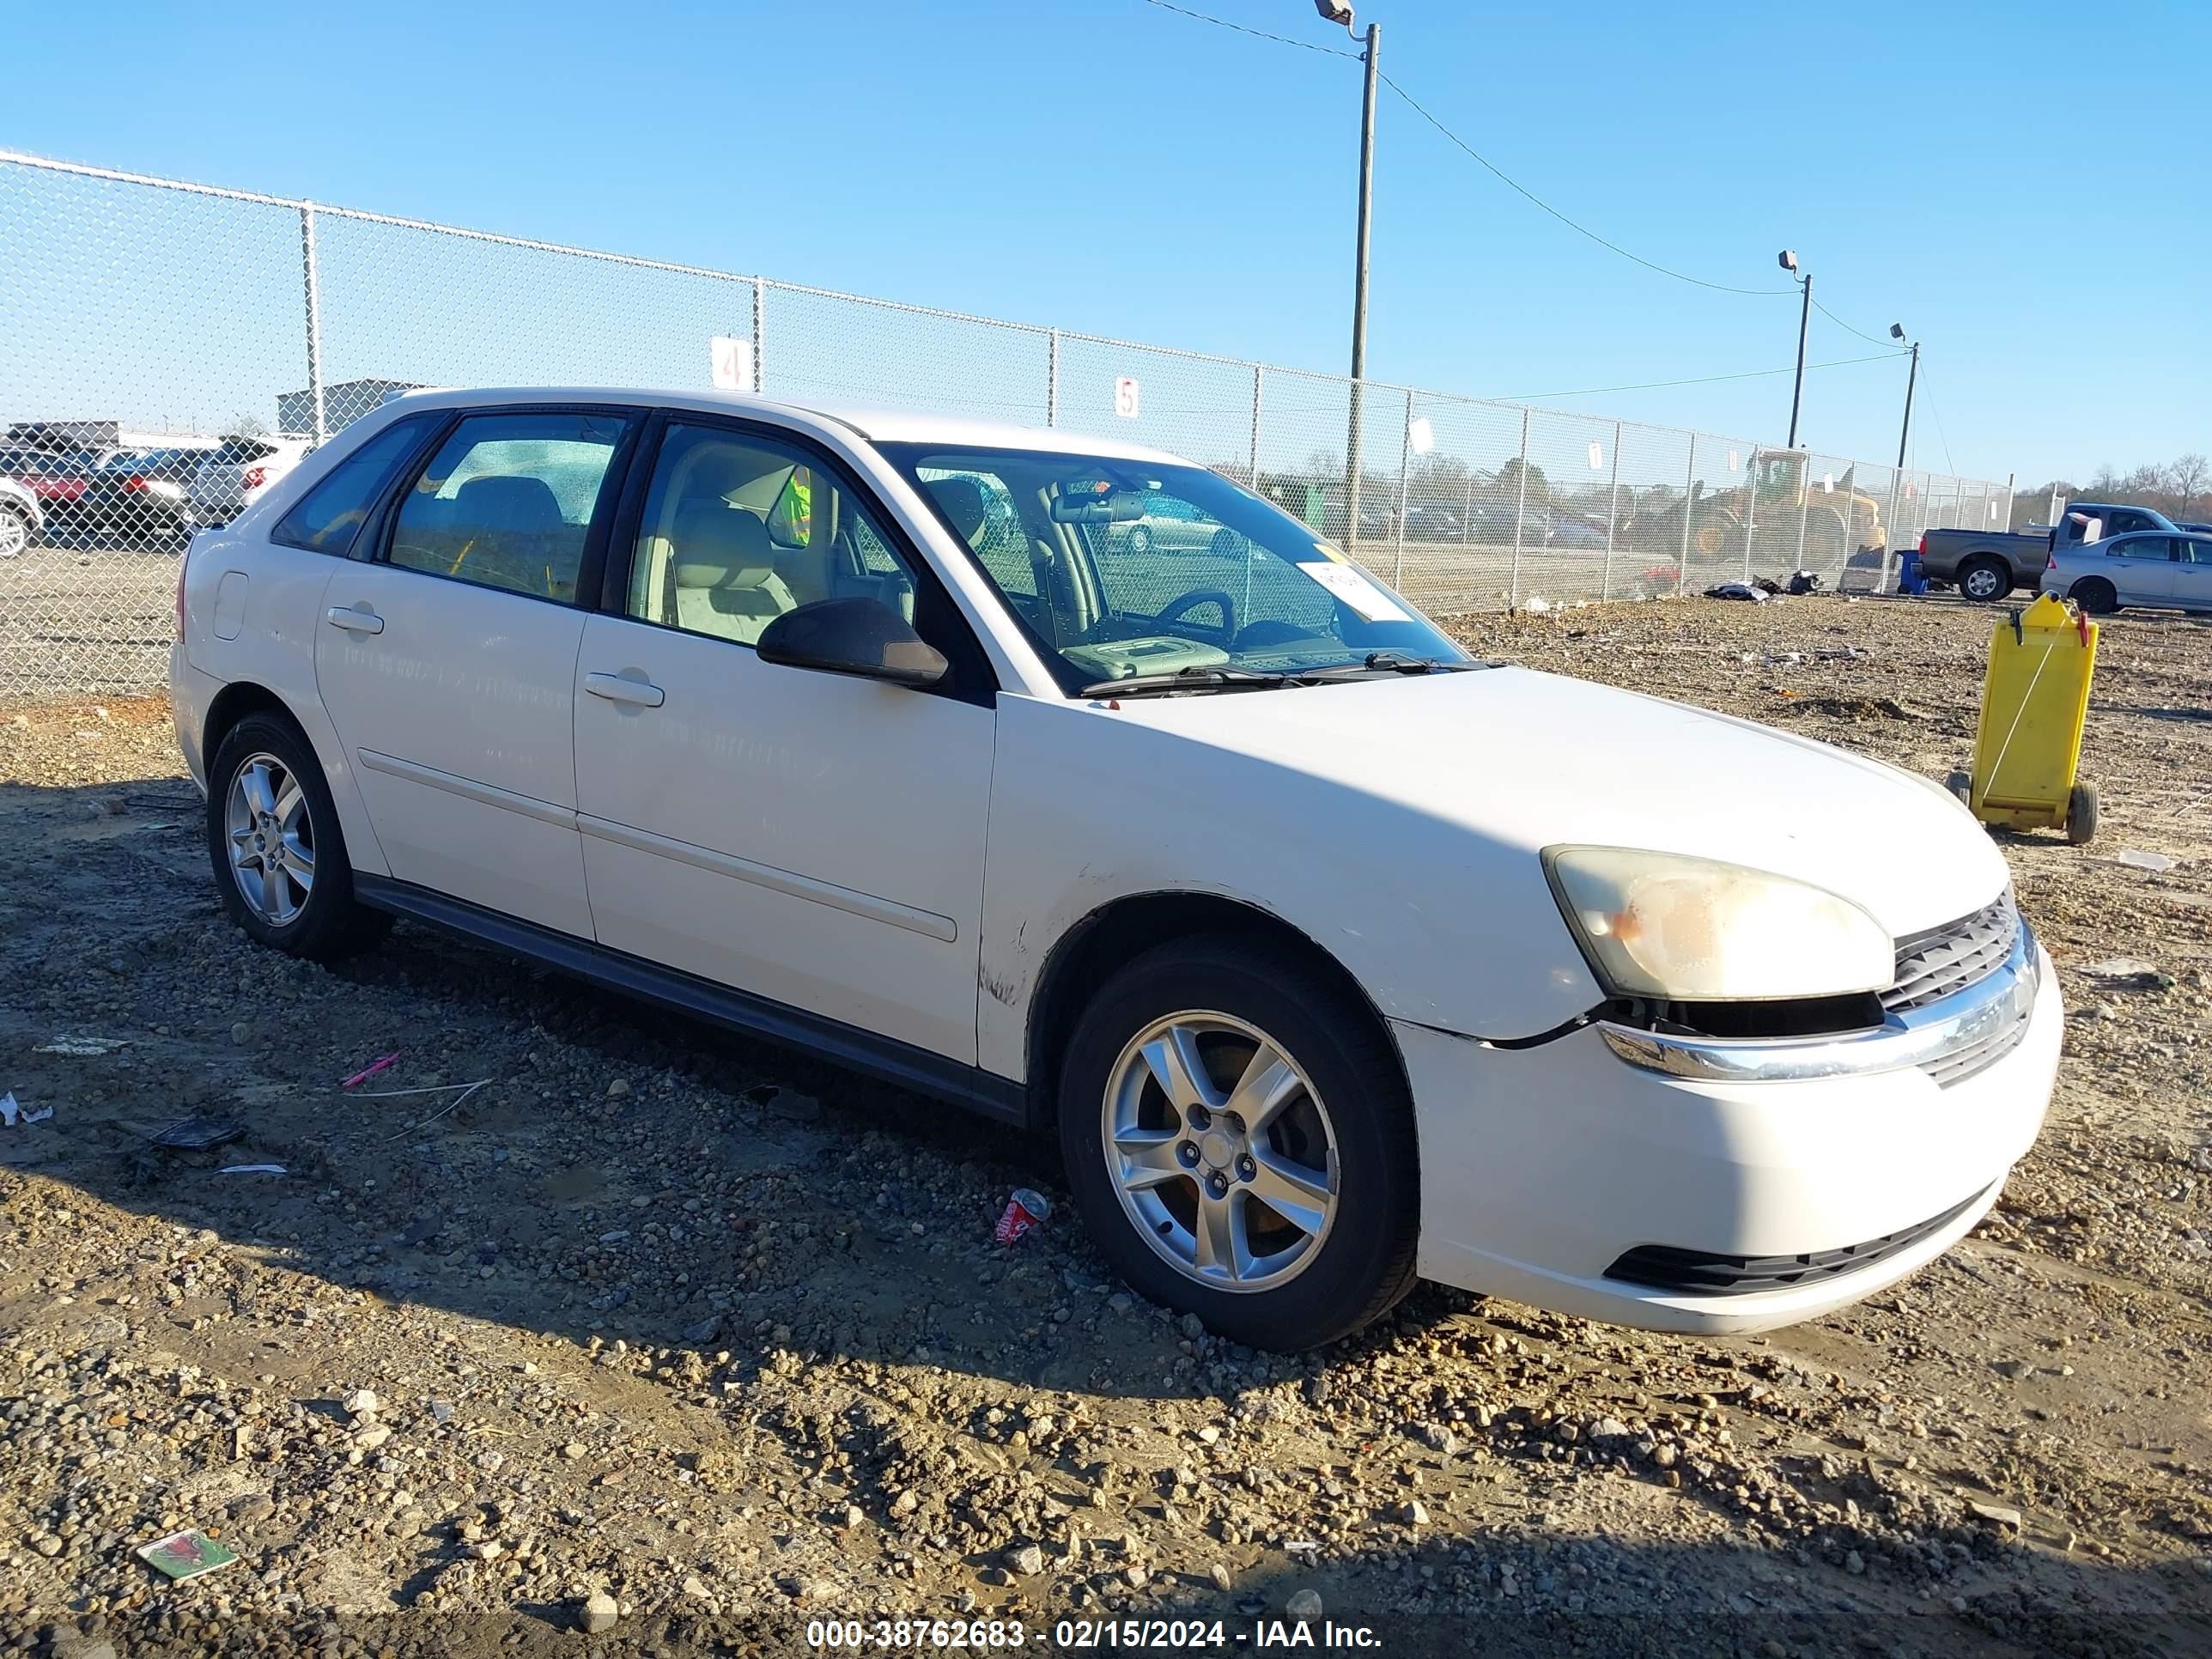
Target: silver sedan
[{"x": 2151, "y": 569}]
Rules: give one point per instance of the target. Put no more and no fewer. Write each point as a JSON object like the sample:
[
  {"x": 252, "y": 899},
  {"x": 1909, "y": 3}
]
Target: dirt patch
[{"x": 638, "y": 1323}]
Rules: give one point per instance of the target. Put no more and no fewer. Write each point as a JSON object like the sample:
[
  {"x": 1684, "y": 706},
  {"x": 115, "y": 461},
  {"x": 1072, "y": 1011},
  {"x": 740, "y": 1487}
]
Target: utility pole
[
  {"x": 1789, "y": 263},
  {"x": 1911, "y": 378},
  {"x": 1359, "y": 283},
  {"x": 1337, "y": 11}
]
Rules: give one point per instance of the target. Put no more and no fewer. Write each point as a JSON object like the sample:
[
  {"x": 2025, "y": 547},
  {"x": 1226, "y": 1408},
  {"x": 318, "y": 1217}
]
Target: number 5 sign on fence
[{"x": 1125, "y": 396}]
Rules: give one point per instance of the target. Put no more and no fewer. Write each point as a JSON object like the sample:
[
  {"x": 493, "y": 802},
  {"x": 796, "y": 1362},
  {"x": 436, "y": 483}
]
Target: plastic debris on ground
[
  {"x": 380, "y": 1063},
  {"x": 252, "y": 1168},
  {"x": 185, "y": 1554},
  {"x": 13, "y": 1111},
  {"x": 197, "y": 1133},
  {"x": 1537, "y": 606},
  {"x": 1805, "y": 581},
  {"x": 82, "y": 1045},
  {"x": 1736, "y": 591},
  {"x": 2128, "y": 974},
  {"x": 1026, "y": 1211},
  {"x": 2136, "y": 859}
]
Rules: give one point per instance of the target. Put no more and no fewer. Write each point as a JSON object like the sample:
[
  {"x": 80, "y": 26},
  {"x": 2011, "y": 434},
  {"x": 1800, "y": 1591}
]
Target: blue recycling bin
[{"x": 1909, "y": 579}]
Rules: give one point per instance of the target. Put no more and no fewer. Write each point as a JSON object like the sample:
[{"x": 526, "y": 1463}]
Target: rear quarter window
[{"x": 330, "y": 516}]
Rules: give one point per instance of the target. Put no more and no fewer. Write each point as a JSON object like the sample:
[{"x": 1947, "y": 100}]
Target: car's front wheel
[
  {"x": 273, "y": 838},
  {"x": 1239, "y": 1141},
  {"x": 14, "y": 532}
]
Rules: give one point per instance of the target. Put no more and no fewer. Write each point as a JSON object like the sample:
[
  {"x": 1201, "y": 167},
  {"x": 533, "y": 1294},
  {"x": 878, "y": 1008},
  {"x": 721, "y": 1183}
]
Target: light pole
[
  {"x": 1912, "y": 379},
  {"x": 1789, "y": 263},
  {"x": 1335, "y": 12}
]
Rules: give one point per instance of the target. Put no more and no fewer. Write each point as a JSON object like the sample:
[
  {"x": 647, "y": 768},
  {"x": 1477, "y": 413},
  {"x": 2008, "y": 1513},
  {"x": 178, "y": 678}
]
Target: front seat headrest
[
  {"x": 961, "y": 501},
  {"x": 717, "y": 545}
]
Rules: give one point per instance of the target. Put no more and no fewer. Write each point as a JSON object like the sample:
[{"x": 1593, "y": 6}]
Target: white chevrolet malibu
[{"x": 1332, "y": 957}]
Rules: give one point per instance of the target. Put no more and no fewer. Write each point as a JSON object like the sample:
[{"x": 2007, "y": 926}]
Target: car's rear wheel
[
  {"x": 2095, "y": 595},
  {"x": 14, "y": 532},
  {"x": 1985, "y": 579},
  {"x": 1239, "y": 1141},
  {"x": 279, "y": 855}
]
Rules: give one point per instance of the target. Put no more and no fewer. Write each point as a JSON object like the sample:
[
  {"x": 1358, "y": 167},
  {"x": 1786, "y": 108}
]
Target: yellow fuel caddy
[{"x": 2034, "y": 702}]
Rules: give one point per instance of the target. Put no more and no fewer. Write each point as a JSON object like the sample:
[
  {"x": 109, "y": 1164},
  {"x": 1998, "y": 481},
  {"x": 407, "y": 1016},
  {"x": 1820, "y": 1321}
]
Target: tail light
[
  {"x": 1923, "y": 544},
  {"x": 186, "y": 559},
  {"x": 134, "y": 481},
  {"x": 2050, "y": 562},
  {"x": 255, "y": 478}
]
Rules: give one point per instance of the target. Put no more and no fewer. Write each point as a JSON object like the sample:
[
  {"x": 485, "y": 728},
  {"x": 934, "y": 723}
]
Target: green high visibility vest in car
[{"x": 792, "y": 517}]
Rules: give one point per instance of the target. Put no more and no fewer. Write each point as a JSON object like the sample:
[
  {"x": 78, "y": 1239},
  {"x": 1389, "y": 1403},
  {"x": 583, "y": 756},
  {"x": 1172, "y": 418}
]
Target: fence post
[
  {"x": 760, "y": 336},
  {"x": 1750, "y": 508},
  {"x": 1051, "y": 384},
  {"x": 1520, "y": 511},
  {"x": 1689, "y": 504},
  {"x": 1890, "y": 527},
  {"x": 1405, "y": 473},
  {"x": 1259, "y": 389},
  {"x": 312, "y": 277},
  {"x": 1612, "y": 512},
  {"x": 1805, "y": 510}
]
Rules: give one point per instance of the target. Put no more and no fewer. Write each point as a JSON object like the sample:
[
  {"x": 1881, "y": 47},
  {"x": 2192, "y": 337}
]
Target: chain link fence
[{"x": 172, "y": 349}]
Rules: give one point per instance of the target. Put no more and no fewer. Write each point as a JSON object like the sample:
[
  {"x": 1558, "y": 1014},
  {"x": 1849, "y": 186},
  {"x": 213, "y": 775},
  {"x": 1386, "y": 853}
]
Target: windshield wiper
[
  {"x": 1388, "y": 662},
  {"x": 1191, "y": 679}
]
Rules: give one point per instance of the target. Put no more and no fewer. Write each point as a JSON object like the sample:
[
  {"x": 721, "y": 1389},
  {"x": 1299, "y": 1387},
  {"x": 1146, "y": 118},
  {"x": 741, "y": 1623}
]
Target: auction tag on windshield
[{"x": 1350, "y": 583}]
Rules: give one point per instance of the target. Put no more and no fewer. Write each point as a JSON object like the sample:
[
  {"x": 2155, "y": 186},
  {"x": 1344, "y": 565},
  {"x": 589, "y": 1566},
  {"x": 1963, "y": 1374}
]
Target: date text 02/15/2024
[{"x": 1078, "y": 1635}]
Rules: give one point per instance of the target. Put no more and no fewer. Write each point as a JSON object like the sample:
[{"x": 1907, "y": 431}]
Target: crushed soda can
[{"x": 1025, "y": 1211}]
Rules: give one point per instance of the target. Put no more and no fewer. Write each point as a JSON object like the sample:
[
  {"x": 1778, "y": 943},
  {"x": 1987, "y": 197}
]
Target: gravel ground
[{"x": 720, "y": 1336}]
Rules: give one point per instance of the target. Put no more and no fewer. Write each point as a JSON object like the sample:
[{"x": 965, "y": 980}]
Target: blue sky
[{"x": 1109, "y": 166}]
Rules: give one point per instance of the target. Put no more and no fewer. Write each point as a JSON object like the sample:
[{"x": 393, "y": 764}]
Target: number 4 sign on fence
[{"x": 1125, "y": 396}]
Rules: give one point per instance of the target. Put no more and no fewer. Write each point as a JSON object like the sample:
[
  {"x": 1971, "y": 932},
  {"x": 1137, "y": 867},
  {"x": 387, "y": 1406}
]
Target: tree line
[{"x": 2181, "y": 489}]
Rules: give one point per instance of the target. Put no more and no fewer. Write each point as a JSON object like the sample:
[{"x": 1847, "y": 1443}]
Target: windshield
[{"x": 1120, "y": 569}]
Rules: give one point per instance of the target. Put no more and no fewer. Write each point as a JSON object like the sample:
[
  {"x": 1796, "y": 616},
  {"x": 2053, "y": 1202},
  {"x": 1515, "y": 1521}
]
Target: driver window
[{"x": 739, "y": 529}]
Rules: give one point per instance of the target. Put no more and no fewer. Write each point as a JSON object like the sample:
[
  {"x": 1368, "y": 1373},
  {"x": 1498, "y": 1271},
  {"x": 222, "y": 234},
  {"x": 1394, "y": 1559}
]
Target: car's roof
[{"x": 876, "y": 425}]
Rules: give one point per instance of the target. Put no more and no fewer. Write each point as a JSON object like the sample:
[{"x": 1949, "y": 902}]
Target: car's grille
[
  {"x": 1934, "y": 964},
  {"x": 1702, "y": 1272}
]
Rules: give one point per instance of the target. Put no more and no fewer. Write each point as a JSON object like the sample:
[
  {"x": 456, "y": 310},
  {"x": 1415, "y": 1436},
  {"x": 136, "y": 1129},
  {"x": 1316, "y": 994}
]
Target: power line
[
  {"x": 1890, "y": 346},
  {"x": 1581, "y": 229},
  {"x": 1257, "y": 35},
  {"x": 1701, "y": 379}
]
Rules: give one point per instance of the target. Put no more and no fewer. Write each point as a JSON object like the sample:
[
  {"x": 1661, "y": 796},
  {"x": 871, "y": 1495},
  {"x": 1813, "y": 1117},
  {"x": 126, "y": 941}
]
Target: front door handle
[
  {"x": 630, "y": 687},
  {"x": 354, "y": 618}
]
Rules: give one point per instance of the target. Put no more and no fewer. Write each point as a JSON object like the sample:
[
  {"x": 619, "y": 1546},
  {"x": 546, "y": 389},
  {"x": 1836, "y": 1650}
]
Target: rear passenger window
[
  {"x": 329, "y": 517},
  {"x": 506, "y": 501}
]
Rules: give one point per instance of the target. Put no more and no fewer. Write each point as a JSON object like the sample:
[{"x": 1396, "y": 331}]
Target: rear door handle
[
  {"x": 631, "y": 688},
  {"x": 355, "y": 619}
]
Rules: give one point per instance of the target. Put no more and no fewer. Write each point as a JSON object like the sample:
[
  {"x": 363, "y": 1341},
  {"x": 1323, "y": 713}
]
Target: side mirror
[{"x": 864, "y": 638}]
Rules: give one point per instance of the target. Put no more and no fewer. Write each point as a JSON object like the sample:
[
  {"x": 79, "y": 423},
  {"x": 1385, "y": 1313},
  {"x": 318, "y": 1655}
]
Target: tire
[
  {"x": 1985, "y": 580},
  {"x": 14, "y": 532},
  {"x": 1342, "y": 1109},
  {"x": 2095, "y": 595},
  {"x": 318, "y": 916},
  {"x": 2082, "y": 814},
  {"x": 1139, "y": 540}
]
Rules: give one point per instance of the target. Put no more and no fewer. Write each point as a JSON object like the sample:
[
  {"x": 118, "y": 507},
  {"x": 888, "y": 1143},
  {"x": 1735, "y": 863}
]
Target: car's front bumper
[{"x": 1549, "y": 1172}]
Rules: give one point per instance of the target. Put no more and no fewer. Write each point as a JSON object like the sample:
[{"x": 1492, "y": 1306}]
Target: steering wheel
[{"x": 1197, "y": 596}]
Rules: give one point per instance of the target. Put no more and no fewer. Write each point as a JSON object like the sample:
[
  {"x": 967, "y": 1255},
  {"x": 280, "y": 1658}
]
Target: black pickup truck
[{"x": 1987, "y": 565}]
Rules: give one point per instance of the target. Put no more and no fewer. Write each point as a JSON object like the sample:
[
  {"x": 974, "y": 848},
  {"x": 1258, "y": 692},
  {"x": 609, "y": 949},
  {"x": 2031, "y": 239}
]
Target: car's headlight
[{"x": 1691, "y": 930}]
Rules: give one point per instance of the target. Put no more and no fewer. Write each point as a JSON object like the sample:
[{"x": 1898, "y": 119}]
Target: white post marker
[
  {"x": 1597, "y": 456},
  {"x": 732, "y": 362},
  {"x": 1125, "y": 396}
]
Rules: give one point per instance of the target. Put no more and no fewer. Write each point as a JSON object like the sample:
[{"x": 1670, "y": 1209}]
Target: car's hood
[{"x": 1532, "y": 760}]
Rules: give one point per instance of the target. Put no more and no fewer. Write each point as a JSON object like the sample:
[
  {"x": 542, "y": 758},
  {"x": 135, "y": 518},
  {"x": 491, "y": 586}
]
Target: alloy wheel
[
  {"x": 1221, "y": 1150},
  {"x": 272, "y": 839}
]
